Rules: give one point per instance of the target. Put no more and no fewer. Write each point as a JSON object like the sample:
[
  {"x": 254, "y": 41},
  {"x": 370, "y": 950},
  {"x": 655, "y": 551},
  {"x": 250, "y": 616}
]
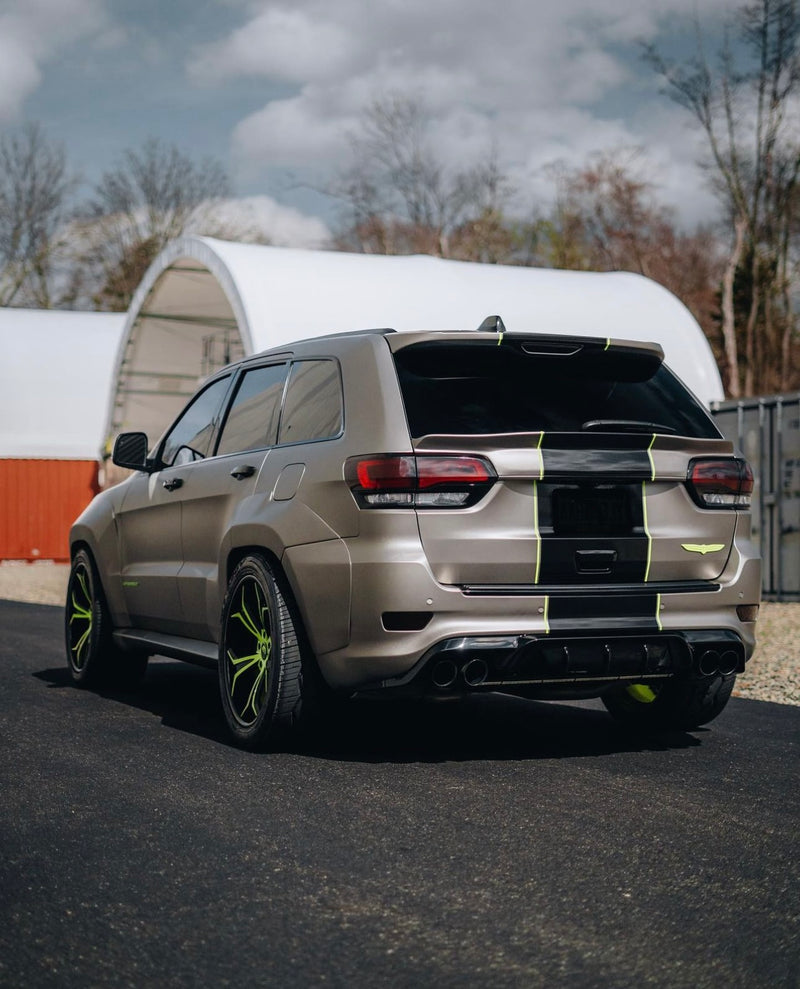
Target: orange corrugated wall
[{"x": 39, "y": 501}]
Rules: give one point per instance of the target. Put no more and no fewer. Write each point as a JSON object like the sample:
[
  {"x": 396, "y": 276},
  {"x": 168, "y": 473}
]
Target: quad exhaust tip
[
  {"x": 713, "y": 663},
  {"x": 474, "y": 672},
  {"x": 444, "y": 673}
]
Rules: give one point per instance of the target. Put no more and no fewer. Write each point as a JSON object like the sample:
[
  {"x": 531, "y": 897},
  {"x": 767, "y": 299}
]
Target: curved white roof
[
  {"x": 56, "y": 370},
  {"x": 204, "y": 302}
]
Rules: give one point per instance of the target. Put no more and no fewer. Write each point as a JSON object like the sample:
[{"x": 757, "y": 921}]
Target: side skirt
[{"x": 175, "y": 646}]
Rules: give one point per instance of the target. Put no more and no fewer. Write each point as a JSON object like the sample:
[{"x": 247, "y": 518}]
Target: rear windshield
[{"x": 477, "y": 388}]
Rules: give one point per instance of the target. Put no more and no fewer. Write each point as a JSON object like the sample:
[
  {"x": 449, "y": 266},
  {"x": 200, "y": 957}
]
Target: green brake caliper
[
  {"x": 257, "y": 661},
  {"x": 81, "y": 612},
  {"x": 642, "y": 693}
]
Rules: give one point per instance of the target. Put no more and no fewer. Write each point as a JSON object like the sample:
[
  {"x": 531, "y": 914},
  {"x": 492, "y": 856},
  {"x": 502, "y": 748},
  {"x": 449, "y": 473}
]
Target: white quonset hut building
[
  {"x": 56, "y": 370},
  {"x": 205, "y": 302}
]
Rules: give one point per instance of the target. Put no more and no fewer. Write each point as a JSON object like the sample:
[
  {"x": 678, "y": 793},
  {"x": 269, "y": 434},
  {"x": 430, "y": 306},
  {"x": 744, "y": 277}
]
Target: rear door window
[
  {"x": 252, "y": 422},
  {"x": 313, "y": 407}
]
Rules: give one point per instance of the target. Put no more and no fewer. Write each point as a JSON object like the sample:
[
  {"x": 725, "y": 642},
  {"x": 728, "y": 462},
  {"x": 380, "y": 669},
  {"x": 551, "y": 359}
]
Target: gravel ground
[{"x": 773, "y": 674}]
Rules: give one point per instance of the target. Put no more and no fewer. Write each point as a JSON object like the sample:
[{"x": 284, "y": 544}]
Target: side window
[
  {"x": 190, "y": 437},
  {"x": 313, "y": 406},
  {"x": 252, "y": 422}
]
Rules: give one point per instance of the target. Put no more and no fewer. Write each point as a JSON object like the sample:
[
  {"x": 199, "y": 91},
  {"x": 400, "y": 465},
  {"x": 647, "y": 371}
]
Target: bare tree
[
  {"x": 607, "y": 218},
  {"x": 747, "y": 111},
  {"x": 401, "y": 198},
  {"x": 152, "y": 196},
  {"x": 35, "y": 187}
]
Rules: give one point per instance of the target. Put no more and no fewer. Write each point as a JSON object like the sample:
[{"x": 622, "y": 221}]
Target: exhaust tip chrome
[
  {"x": 444, "y": 673},
  {"x": 474, "y": 672},
  {"x": 708, "y": 664}
]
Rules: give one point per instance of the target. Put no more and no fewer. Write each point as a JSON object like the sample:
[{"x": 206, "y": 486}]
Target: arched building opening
[{"x": 183, "y": 323}]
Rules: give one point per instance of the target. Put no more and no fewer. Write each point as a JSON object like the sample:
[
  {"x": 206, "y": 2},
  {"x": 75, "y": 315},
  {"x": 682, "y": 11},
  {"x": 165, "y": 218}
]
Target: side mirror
[{"x": 130, "y": 451}]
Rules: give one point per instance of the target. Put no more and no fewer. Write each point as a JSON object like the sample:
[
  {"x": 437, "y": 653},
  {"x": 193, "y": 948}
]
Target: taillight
[
  {"x": 425, "y": 481},
  {"x": 720, "y": 483}
]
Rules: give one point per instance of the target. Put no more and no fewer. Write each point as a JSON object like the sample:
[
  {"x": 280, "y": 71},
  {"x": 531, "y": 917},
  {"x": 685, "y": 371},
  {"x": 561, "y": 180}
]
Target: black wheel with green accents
[
  {"x": 261, "y": 671},
  {"x": 669, "y": 705},
  {"x": 92, "y": 657}
]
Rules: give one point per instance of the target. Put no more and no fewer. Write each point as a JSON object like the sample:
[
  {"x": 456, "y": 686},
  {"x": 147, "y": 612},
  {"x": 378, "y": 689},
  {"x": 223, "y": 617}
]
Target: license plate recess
[{"x": 592, "y": 511}]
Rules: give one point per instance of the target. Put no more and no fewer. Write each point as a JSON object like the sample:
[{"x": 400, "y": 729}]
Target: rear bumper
[
  {"x": 401, "y": 616},
  {"x": 586, "y": 664}
]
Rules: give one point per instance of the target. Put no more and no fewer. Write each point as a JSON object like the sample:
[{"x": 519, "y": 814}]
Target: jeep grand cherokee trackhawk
[{"x": 427, "y": 514}]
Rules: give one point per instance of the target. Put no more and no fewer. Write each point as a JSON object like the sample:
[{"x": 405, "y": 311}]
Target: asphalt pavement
[{"x": 496, "y": 843}]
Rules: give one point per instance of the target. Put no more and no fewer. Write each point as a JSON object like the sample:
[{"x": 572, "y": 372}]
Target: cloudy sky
[{"x": 273, "y": 87}]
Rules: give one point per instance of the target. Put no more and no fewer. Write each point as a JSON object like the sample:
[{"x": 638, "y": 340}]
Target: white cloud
[
  {"x": 291, "y": 132},
  {"x": 279, "y": 43},
  {"x": 19, "y": 75},
  {"x": 526, "y": 80},
  {"x": 31, "y": 32},
  {"x": 262, "y": 218},
  {"x": 674, "y": 149}
]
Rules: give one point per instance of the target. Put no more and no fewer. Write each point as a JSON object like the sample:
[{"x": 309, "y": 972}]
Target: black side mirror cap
[{"x": 130, "y": 451}]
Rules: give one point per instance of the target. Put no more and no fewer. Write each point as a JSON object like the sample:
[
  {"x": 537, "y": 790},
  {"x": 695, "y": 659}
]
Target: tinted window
[
  {"x": 252, "y": 422},
  {"x": 190, "y": 437},
  {"x": 474, "y": 389},
  {"x": 313, "y": 406}
]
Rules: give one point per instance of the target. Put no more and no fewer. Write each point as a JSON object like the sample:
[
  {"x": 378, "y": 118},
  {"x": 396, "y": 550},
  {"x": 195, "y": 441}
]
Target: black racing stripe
[
  {"x": 594, "y": 464},
  {"x": 571, "y": 560},
  {"x": 584, "y": 612},
  {"x": 589, "y": 441},
  {"x": 591, "y": 535}
]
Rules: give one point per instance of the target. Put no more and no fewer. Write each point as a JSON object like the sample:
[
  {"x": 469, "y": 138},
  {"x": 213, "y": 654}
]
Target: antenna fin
[{"x": 492, "y": 324}]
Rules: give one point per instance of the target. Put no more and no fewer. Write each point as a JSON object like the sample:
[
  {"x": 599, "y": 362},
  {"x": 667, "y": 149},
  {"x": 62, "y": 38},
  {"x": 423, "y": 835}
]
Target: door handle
[
  {"x": 246, "y": 470},
  {"x": 172, "y": 483}
]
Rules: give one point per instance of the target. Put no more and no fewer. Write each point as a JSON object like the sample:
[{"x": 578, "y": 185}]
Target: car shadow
[
  {"x": 477, "y": 727},
  {"x": 184, "y": 697},
  {"x": 481, "y": 726}
]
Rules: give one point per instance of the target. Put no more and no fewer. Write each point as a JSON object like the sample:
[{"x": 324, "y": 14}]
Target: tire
[
  {"x": 672, "y": 705},
  {"x": 92, "y": 657},
  {"x": 265, "y": 688}
]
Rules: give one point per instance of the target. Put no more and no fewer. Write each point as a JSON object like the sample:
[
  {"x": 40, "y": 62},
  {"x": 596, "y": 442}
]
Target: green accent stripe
[
  {"x": 646, "y": 531},
  {"x": 536, "y": 532},
  {"x": 652, "y": 462},
  {"x": 546, "y": 610},
  {"x": 541, "y": 455},
  {"x": 499, "y": 339},
  {"x": 658, "y": 613},
  {"x": 608, "y": 343}
]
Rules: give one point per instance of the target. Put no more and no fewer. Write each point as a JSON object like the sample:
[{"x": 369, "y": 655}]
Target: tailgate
[{"x": 579, "y": 509}]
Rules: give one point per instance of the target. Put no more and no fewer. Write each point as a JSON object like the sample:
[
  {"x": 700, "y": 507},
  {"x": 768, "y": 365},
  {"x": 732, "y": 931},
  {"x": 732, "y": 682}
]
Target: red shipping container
[{"x": 39, "y": 501}]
